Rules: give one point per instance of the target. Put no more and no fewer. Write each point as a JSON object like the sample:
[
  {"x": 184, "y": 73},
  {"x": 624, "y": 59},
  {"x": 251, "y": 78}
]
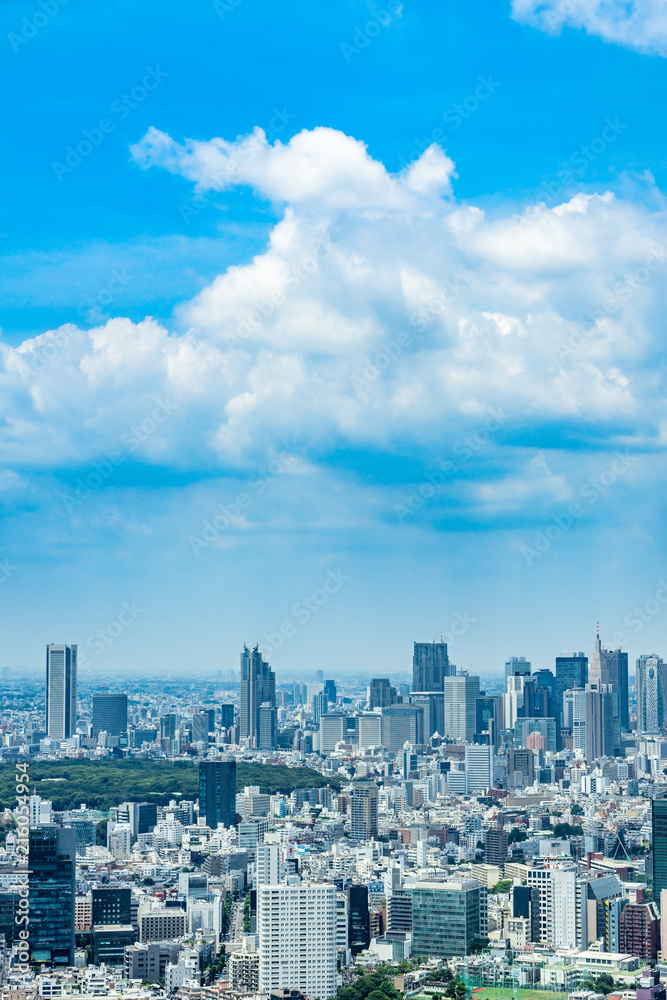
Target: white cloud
[
  {"x": 381, "y": 315},
  {"x": 636, "y": 24}
]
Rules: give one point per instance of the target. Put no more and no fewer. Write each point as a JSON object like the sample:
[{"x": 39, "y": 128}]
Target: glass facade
[
  {"x": 659, "y": 823},
  {"x": 52, "y": 853},
  {"x": 448, "y": 918},
  {"x": 217, "y": 792}
]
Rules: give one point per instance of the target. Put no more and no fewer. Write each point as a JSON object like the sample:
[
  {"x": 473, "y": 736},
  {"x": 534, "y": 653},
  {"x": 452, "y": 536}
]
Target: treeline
[{"x": 102, "y": 784}]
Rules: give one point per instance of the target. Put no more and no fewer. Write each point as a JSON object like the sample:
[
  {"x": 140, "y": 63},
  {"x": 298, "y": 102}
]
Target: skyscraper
[
  {"x": 109, "y": 713},
  {"x": 517, "y": 665},
  {"x": 60, "y": 691},
  {"x": 257, "y": 717},
  {"x": 610, "y": 666},
  {"x": 571, "y": 672},
  {"x": 364, "y": 811},
  {"x": 461, "y": 694},
  {"x": 448, "y": 918},
  {"x": 588, "y": 713},
  {"x": 651, "y": 694},
  {"x": 659, "y": 840},
  {"x": 296, "y": 926},
  {"x": 52, "y": 882},
  {"x": 430, "y": 666},
  {"x": 217, "y": 792}
]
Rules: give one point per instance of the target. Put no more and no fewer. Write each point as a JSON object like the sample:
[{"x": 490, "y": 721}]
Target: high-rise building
[
  {"x": 610, "y": 666},
  {"x": 430, "y": 666},
  {"x": 479, "y": 760},
  {"x": 639, "y": 930},
  {"x": 526, "y": 904},
  {"x": 380, "y": 693},
  {"x": 659, "y": 842},
  {"x": 359, "y": 927},
  {"x": 364, "y": 811},
  {"x": 330, "y": 691},
  {"x": 217, "y": 792},
  {"x": 517, "y": 666},
  {"x": 461, "y": 694},
  {"x": 52, "y": 884},
  {"x": 651, "y": 693},
  {"x": 61, "y": 691},
  {"x": 546, "y": 727},
  {"x": 432, "y": 704},
  {"x": 296, "y": 926},
  {"x": 267, "y": 865},
  {"x": 109, "y": 713},
  {"x": 588, "y": 713},
  {"x": 333, "y": 730},
  {"x": 401, "y": 724},
  {"x": 257, "y": 717},
  {"x": 448, "y": 918},
  {"x": 571, "y": 672},
  {"x": 111, "y": 905},
  {"x": 168, "y": 726}
]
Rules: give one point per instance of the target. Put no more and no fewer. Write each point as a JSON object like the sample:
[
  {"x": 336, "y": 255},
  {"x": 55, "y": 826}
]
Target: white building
[
  {"x": 296, "y": 925},
  {"x": 479, "y": 768},
  {"x": 267, "y": 871}
]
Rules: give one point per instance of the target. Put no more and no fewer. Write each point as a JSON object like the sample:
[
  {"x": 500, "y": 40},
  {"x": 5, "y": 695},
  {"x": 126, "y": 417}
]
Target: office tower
[
  {"x": 168, "y": 726},
  {"x": 448, "y": 918},
  {"x": 226, "y": 716},
  {"x": 610, "y": 666},
  {"x": 651, "y": 693},
  {"x": 332, "y": 731},
  {"x": 486, "y": 719},
  {"x": 526, "y": 904},
  {"x": 659, "y": 842},
  {"x": 588, "y": 713},
  {"x": 432, "y": 704},
  {"x": 408, "y": 762},
  {"x": 109, "y": 713},
  {"x": 319, "y": 677},
  {"x": 430, "y": 666},
  {"x": 401, "y": 724},
  {"x": 571, "y": 672},
  {"x": 513, "y": 699},
  {"x": 267, "y": 865},
  {"x": 142, "y": 816},
  {"x": 296, "y": 925},
  {"x": 257, "y": 716},
  {"x": 320, "y": 705},
  {"x": 359, "y": 927},
  {"x": 546, "y": 727},
  {"x": 495, "y": 845},
  {"x": 300, "y": 694},
  {"x": 110, "y": 942},
  {"x": 200, "y": 727},
  {"x": 111, "y": 905},
  {"x": 380, "y": 693},
  {"x": 330, "y": 691},
  {"x": 52, "y": 882},
  {"x": 364, "y": 811},
  {"x": 479, "y": 768},
  {"x": 520, "y": 768},
  {"x": 61, "y": 691},
  {"x": 217, "y": 792},
  {"x": 517, "y": 666},
  {"x": 369, "y": 729},
  {"x": 461, "y": 694}
]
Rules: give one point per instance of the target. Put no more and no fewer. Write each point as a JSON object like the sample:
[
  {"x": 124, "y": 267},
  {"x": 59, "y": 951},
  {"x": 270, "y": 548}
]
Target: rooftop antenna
[{"x": 598, "y": 630}]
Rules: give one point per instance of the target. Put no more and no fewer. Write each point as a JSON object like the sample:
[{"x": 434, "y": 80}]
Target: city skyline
[{"x": 326, "y": 370}]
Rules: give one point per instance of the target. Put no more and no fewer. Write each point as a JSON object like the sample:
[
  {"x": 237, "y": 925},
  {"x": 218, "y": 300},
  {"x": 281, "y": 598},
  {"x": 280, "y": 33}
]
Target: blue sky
[{"x": 425, "y": 420}]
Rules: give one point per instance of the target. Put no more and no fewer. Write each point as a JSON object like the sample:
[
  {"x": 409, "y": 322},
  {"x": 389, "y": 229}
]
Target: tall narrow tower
[
  {"x": 257, "y": 716},
  {"x": 60, "y": 691}
]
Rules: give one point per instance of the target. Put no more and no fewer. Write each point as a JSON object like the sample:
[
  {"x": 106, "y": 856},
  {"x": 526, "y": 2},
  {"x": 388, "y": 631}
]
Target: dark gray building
[
  {"x": 217, "y": 792},
  {"x": 430, "y": 666},
  {"x": 257, "y": 717},
  {"x": 109, "y": 713},
  {"x": 52, "y": 880},
  {"x": 448, "y": 918}
]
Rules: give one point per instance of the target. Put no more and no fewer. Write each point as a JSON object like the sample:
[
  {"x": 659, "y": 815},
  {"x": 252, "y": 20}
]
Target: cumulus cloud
[
  {"x": 382, "y": 315},
  {"x": 636, "y": 24}
]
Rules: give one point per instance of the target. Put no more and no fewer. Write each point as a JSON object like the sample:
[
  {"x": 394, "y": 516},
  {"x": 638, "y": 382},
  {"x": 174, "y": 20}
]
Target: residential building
[
  {"x": 296, "y": 925},
  {"x": 364, "y": 811}
]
